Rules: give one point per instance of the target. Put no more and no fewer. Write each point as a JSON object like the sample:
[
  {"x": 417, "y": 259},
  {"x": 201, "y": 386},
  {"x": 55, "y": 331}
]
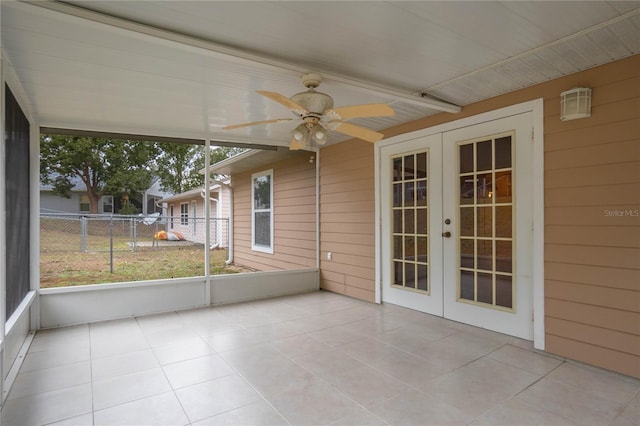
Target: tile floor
[{"x": 312, "y": 359}]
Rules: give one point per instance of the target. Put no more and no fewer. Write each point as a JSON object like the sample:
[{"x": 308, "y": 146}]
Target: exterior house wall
[
  {"x": 53, "y": 203},
  {"x": 592, "y": 254},
  {"x": 189, "y": 232},
  {"x": 294, "y": 213},
  {"x": 347, "y": 218}
]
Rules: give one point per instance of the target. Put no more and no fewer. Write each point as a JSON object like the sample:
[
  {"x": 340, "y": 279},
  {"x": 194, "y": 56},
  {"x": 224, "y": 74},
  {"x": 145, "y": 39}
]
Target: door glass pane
[
  {"x": 484, "y": 156},
  {"x": 503, "y": 256},
  {"x": 421, "y": 221},
  {"x": 421, "y": 165},
  {"x": 423, "y": 277},
  {"x": 409, "y": 275},
  {"x": 397, "y": 169},
  {"x": 502, "y": 187},
  {"x": 397, "y": 273},
  {"x": 484, "y": 193},
  {"x": 503, "y": 221},
  {"x": 467, "y": 285},
  {"x": 504, "y": 291},
  {"x": 409, "y": 224},
  {"x": 486, "y": 221},
  {"x": 467, "y": 189},
  {"x": 409, "y": 167},
  {"x": 397, "y": 221},
  {"x": 485, "y": 255},
  {"x": 466, "y": 158},
  {"x": 397, "y": 247},
  {"x": 397, "y": 195},
  {"x": 421, "y": 244},
  {"x": 467, "y": 254},
  {"x": 485, "y": 288},
  {"x": 409, "y": 248},
  {"x": 466, "y": 222},
  {"x": 503, "y": 152},
  {"x": 421, "y": 193},
  {"x": 409, "y": 194}
]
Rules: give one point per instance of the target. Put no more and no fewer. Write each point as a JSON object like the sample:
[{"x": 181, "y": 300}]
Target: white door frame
[{"x": 536, "y": 108}]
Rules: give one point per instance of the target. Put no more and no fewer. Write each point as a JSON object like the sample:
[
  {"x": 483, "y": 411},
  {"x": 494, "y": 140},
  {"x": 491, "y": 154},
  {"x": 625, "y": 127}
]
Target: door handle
[{"x": 446, "y": 234}]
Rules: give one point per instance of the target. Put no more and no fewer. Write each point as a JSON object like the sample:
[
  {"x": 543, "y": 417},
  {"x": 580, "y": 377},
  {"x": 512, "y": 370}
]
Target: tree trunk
[{"x": 94, "y": 199}]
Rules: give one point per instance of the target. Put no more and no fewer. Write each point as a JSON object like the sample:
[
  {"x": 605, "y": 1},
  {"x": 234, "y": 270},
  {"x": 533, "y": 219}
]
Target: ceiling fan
[{"x": 318, "y": 116}]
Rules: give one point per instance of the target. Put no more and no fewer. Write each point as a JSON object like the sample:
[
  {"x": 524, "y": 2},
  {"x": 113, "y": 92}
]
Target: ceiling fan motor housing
[{"x": 314, "y": 102}]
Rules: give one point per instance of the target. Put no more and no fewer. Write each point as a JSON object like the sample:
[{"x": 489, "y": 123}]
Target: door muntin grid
[
  {"x": 410, "y": 218},
  {"x": 486, "y": 222}
]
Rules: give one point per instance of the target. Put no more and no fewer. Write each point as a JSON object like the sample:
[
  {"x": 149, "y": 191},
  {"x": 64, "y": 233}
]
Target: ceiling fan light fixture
[
  {"x": 300, "y": 133},
  {"x": 319, "y": 134}
]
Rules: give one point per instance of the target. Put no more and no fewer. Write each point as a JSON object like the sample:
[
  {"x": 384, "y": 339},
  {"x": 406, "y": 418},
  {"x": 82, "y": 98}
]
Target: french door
[{"x": 457, "y": 225}]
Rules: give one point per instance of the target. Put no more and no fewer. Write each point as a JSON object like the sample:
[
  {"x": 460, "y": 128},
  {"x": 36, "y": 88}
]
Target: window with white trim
[
  {"x": 184, "y": 213},
  {"x": 84, "y": 203},
  {"x": 171, "y": 216},
  {"x": 107, "y": 204},
  {"x": 262, "y": 211}
]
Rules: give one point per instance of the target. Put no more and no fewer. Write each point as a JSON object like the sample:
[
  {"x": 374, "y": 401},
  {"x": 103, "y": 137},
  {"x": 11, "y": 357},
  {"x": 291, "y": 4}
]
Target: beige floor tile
[
  {"x": 514, "y": 412},
  {"x": 299, "y": 345},
  {"x": 215, "y": 397},
  {"x": 157, "y": 410},
  {"x": 121, "y": 364},
  {"x": 120, "y": 389},
  {"x": 50, "y": 339},
  {"x": 416, "y": 408},
  {"x": 601, "y": 383},
  {"x": 499, "y": 376},
  {"x": 525, "y": 360},
  {"x": 194, "y": 348},
  {"x": 360, "y": 417},
  {"x": 570, "y": 402},
  {"x": 312, "y": 403},
  {"x": 255, "y": 414},
  {"x": 630, "y": 415},
  {"x": 365, "y": 385},
  {"x": 197, "y": 370},
  {"x": 50, "y": 379},
  {"x": 48, "y": 407},
  {"x": 83, "y": 420},
  {"x": 56, "y": 356},
  {"x": 472, "y": 397}
]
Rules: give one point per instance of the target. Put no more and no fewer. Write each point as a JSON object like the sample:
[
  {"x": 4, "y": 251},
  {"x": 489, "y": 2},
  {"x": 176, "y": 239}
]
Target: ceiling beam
[{"x": 419, "y": 99}]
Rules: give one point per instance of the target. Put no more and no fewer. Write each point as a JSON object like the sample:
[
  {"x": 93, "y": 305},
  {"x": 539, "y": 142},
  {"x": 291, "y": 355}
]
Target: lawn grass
[{"x": 62, "y": 263}]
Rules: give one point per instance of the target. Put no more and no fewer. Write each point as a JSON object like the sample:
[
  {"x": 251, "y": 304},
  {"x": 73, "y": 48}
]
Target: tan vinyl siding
[
  {"x": 294, "y": 210},
  {"x": 347, "y": 202},
  {"x": 592, "y": 261}
]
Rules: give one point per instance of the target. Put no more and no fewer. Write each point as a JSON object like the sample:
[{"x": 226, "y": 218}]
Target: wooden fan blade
[
  {"x": 358, "y": 111},
  {"x": 255, "y": 123},
  {"x": 296, "y": 145},
  {"x": 356, "y": 131},
  {"x": 283, "y": 100}
]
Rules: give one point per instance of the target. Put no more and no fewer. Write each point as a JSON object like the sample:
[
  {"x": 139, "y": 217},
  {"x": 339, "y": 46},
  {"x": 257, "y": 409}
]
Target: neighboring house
[
  {"x": 563, "y": 244},
  {"x": 147, "y": 202},
  {"x": 274, "y": 214},
  {"x": 186, "y": 214}
]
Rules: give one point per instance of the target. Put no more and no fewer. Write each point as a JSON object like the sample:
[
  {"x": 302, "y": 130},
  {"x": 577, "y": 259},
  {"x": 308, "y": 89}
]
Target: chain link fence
[{"x": 90, "y": 249}]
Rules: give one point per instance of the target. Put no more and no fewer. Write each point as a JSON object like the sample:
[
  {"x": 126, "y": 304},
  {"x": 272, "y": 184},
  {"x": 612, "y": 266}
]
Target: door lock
[{"x": 446, "y": 234}]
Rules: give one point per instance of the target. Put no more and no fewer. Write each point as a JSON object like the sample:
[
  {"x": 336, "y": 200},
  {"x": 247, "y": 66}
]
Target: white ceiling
[{"x": 188, "y": 68}]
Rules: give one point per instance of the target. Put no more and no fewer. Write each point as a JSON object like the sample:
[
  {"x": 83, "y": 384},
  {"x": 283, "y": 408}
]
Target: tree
[
  {"x": 178, "y": 165},
  {"x": 105, "y": 166}
]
